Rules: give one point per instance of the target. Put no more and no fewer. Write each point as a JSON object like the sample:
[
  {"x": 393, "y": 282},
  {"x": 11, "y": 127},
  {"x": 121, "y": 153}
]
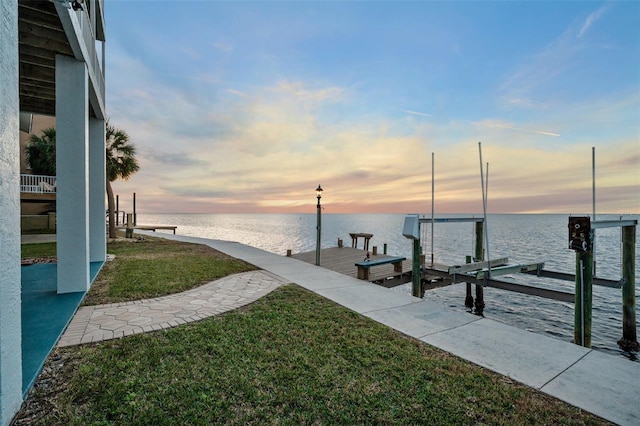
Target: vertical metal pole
[
  {"x": 629, "y": 339},
  {"x": 416, "y": 289},
  {"x": 486, "y": 233},
  {"x": 593, "y": 197},
  {"x": 432, "y": 201},
  {"x": 117, "y": 209},
  {"x": 484, "y": 209},
  {"x": 583, "y": 298},
  {"x": 135, "y": 216},
  {"x": 318, "y": 228},
  {"x": 479, "y": 304}
]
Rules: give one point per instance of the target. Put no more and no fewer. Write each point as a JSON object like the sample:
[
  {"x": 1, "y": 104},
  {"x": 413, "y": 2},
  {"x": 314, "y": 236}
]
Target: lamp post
[{"x": 319, "y": 224}]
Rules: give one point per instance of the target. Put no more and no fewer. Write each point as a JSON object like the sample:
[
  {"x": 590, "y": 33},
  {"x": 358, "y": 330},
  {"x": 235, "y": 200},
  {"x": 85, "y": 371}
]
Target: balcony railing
[{"x": 38, "y": 184}]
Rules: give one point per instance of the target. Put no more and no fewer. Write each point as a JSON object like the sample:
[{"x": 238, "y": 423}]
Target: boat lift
[{"x": 483, "y": 273}]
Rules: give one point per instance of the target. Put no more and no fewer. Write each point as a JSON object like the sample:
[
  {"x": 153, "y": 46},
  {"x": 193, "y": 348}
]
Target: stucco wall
[{"x": 10, "y": 301}]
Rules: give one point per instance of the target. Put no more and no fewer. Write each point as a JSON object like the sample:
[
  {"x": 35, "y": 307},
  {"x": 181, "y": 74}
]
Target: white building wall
[{"x": 10, "y": 288}]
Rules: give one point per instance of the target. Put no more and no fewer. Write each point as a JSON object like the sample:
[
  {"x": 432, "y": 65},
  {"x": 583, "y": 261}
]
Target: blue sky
[{"x": 247, "y": 106}]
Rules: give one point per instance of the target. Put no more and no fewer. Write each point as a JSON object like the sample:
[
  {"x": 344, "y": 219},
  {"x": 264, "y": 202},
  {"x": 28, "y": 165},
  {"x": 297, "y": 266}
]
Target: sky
[{"x": 243, "y": 107}]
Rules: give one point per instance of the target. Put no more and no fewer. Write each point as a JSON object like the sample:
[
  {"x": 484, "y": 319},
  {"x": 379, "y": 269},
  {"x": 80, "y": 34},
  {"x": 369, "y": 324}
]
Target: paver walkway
[{"x": 114, "y": 320}]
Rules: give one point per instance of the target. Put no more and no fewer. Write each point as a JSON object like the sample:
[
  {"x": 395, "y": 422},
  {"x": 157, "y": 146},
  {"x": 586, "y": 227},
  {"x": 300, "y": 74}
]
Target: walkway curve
[{"x": 115, "y": 320}]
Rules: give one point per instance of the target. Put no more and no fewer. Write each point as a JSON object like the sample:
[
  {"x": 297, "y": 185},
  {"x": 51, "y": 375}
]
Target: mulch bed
[{"x": 35, "y": 260}]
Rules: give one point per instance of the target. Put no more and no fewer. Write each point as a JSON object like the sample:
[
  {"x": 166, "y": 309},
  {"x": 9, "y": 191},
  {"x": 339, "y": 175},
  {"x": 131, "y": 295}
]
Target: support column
[
  {"x": 97, "y": 190},
  {"x": 72, "y": 165},
  {"x": 10, "y": 286}
]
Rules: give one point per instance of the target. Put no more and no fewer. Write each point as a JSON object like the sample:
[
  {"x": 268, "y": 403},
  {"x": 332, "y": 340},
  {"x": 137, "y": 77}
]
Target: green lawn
[
  {"x": 291, "y": 358},
  {"x": 155, "y": 267},
  {"x": 38, "y": 250}
]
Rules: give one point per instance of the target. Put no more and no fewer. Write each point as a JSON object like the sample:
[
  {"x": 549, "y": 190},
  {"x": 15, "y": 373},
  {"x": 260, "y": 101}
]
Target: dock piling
[
  {"x": 583, "y": 299},
  {"x": 468, "y": 301},
  {"x": 629, "y": 341},
  {"x": 416, "y": 288},
  {"x": 130, "y": 225}
]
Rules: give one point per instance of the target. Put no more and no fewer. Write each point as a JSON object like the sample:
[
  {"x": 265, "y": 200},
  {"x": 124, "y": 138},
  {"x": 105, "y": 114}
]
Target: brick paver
[{"x": 115, "y": 320}]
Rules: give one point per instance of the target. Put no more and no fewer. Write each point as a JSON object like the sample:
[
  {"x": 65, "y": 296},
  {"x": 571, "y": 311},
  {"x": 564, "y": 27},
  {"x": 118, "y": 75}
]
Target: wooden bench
[{"x": 363, "y": 267}]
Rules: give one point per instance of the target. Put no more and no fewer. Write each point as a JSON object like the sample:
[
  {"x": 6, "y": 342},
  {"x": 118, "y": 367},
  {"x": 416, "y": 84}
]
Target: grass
[
  {"x": 38, "y": 250},
  {"x": 154, "y": 267},
  {"x": 292, "y": 357}
]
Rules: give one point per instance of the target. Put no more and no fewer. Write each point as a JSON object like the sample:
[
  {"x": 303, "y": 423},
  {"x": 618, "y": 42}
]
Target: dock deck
[
  {"x": 151, "y": 227},
  {"x": 343, "y": 259}
]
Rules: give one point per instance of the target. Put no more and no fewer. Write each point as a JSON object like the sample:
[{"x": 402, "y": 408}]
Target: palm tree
[
  {"x": 121, "y": 163},
  {"x": 120, "y": 160},
  {"x": 41, "y": 153}
]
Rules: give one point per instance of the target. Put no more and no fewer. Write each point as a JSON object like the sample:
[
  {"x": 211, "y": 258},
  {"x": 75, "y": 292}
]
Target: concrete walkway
[
  {"x": 104, "y": 322},
  {"x": 37, "y": 238},
  {"x": 605, "y": 385}
]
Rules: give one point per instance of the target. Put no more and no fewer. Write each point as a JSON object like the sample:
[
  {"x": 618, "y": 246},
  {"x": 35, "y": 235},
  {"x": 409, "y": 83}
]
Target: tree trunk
[{"x": 112, "y": 211}]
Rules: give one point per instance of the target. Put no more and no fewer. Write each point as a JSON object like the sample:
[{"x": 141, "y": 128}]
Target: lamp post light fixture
[{"x": 319, "y": 224}]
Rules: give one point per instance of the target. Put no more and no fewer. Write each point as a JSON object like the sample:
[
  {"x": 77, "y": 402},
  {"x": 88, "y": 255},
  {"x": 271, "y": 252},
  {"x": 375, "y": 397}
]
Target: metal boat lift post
[
  {"x": 581, "y": 238},
  {"x": 478, "y": 255}
]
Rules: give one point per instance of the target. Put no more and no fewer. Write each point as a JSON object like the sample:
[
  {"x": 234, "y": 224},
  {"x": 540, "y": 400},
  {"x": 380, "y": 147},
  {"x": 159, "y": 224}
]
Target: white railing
[{"x": 38, "y": 184}]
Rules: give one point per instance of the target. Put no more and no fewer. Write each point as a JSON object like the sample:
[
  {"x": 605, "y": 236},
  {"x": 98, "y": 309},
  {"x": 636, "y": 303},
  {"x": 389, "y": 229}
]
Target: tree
[
  {"x": 121, "y": 163},
  {"x": 41, "y": 153}
]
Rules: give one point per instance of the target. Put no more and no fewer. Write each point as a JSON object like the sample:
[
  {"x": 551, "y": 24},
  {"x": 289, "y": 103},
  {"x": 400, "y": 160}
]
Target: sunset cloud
[{"x": 254, "y": 120}]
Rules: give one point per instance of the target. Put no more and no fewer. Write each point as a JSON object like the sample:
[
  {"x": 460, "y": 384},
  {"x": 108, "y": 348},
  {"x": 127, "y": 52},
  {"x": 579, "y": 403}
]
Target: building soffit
[{"x": 42, "y": 36}]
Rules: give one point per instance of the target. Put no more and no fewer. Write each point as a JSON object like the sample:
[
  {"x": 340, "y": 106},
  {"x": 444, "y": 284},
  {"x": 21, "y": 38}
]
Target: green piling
[
  {"x": 468, "y": 300},
  {"x": 416, "y": 288},
  {"x": 583, "y": 298},
  {"x": 629, "y": 339}
]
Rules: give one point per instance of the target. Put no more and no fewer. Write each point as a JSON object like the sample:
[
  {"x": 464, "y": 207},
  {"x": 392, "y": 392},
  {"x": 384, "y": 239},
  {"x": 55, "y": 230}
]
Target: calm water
[{"x": 521, "y": 238}]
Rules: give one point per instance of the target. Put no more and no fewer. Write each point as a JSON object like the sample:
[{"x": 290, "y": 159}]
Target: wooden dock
[
  {"x": 151, "y": 228},
  {"x": 343, "y": 259}
]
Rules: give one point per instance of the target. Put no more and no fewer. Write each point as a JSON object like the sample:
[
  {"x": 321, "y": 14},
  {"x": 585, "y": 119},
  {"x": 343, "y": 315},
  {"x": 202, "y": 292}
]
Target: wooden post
[
  {"x": 416, "y": 288},
  {"x": 468, "y": 300},
  {"x": 135, "y": 215},
  {"x": 375, "y": 250},
  {"x": 288, "y": 252},
  {"x": 129, "y": 230},
  {"x": 385, "y": 248},
  {"x": 629, "y": 341},
  {"x": 479, "y": 256},
  {"x": 583, "y": 298},
  {"x": 117, "y": 209}
]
